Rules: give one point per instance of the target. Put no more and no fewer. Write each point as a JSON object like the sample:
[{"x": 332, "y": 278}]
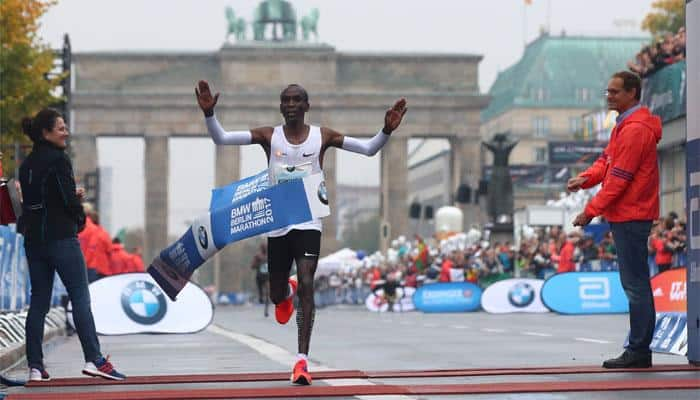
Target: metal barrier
[{"x": 15, "y": 287}]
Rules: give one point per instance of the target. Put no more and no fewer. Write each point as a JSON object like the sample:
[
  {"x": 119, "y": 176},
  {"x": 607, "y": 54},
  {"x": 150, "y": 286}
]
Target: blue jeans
[
  {"x": 62, "y": 256},
  {"x": 631, "y": 243}
]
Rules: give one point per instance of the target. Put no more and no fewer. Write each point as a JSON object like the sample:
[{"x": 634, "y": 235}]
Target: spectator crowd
[
  {"x": 105, "y": 256},
  {"x": 545, "y": 251},
  {"x": 667, "y": 50}
]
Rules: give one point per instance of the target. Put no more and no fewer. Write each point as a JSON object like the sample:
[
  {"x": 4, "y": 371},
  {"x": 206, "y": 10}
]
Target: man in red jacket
[{"x": 629, "y": 200}]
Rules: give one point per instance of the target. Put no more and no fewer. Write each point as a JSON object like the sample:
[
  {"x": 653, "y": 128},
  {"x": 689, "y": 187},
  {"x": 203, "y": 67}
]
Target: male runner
[{"x": 295, "y": 150}]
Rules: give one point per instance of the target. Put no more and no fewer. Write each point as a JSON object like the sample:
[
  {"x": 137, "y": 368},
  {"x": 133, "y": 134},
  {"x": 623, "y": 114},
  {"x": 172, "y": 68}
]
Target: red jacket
[
  {"x": 102, "y": 245},
  {"x": 628, "y": 170},
  {"x": 87, "y": 242},
  {"x": 566, "y": 258},
  {"x": 119, "y": 259}
]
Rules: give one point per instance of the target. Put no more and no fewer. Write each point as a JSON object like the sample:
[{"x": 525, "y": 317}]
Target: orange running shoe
[
  {"x": 285, "y": 309},
  {"x": 300, "y": 373}
]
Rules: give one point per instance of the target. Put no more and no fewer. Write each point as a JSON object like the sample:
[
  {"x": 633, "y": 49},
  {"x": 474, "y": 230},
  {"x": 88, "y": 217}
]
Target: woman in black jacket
[{"x": 51, "y": 218}]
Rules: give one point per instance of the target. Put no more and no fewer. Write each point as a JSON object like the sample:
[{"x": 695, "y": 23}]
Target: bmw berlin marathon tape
[
  {"x": 133, "y": 303},
  {"x": 514, "y": 295},
  {"x": 262, "y": 209}
]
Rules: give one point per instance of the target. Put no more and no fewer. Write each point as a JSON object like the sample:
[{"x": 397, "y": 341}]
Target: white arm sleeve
[
  {"x": 368, "y": 147},
  {"x": 220, "y": 136}
]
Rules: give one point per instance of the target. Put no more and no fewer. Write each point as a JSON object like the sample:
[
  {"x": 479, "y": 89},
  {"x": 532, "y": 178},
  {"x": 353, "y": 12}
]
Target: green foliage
[
  {"x": 24, "y": 64},
  {"x": 666, "y": 17}
]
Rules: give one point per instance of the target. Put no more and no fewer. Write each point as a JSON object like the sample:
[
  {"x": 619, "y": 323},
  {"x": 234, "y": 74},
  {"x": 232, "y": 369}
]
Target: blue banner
[
  {"x": 224, "y": 196},
  {"x": 448, "y": 297},
  {"x": 585, "y": 293},
  {"x": 293, "y": 202},
  {"x": 670, "y": 334}
]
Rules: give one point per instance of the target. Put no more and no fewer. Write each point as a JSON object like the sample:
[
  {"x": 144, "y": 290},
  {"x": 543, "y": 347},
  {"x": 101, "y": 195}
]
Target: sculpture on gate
[{"x": 500, "y": 188}]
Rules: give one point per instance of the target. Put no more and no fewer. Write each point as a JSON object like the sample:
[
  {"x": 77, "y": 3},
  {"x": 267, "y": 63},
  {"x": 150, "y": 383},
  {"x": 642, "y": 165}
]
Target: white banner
[
  {"x": 404, "y": 300},
  {"x": 133, "y": 303},
  {"x": 514, "y": 295}
]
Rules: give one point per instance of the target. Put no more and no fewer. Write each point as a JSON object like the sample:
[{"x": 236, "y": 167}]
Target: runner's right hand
[{"x": 205, "y": 99}]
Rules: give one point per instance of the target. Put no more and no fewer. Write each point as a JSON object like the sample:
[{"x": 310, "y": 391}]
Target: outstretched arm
[
  {"x": 369, "y": 147},
  {"x": 207, "y": 102}
]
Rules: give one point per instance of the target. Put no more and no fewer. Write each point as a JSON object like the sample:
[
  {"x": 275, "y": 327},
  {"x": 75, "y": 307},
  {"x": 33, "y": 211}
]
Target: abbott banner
[
  {"x": 133, "y": 303},
  {"x": 292, "y": 202},
  {"x": 585, "y": 293},
  {"x": 514, "y": 295}
]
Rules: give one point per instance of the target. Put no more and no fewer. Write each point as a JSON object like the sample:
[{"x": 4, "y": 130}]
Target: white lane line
[
  {"x": 493, "y": 330},
  {"x": 459, "y": 327},
  {"x": 537, "y": 334},
  {"x": 430, "y": 325},
  {"x": 589, "y": 340},
  {"x": 284, "y": 357}
]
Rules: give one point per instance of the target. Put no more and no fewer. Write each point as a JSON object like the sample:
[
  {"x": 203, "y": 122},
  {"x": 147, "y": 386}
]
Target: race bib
[{"x": 286, "y": 173}]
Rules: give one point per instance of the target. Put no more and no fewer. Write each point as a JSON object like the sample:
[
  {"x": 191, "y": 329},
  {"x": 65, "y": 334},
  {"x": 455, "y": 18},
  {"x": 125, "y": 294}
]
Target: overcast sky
[{"x": 495, "y": 29}]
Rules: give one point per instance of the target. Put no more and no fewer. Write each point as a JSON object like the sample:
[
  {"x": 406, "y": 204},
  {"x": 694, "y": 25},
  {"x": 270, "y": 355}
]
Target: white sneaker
[{"x": 38, "y": 375}]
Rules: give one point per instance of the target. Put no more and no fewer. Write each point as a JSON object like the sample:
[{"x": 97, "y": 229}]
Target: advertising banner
[
  {"x": 133, "y": 303},
  {"x": 664, "y": 92},
  {"x": 670, "y": 334},
  {"x": 514, "y": 295},
  {"x": 575, "y": 152},
  {"x": 669, "y": 288},
  {"x": 534, "y": 175},
  {"x": 447, "y": 297},
  {"x": 585, "y": 293},
  {"x": 278, "y": 206},
  {"x": 692, "y": 164},
  {"x": 404, "y": 300}
]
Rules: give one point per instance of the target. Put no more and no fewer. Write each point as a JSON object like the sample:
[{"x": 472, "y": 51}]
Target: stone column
[
  {"x": 228, "y": 265},
  {"x": 466, "y": 168},
  {"x": 83, "y": 149},
  {"x": 156, "y": 212},
  {"x": 329, "y": 243},
  {"x": 394, "y": 181}
]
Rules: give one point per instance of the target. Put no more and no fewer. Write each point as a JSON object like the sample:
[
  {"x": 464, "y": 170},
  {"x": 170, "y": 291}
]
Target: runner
[
  {"x": 262, "y": 277},
  {"x": 295, "y": 150}
]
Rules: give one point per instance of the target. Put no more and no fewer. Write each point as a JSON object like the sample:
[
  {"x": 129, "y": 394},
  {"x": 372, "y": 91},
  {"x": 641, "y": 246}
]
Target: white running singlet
[{"x": 294, "y": 161}]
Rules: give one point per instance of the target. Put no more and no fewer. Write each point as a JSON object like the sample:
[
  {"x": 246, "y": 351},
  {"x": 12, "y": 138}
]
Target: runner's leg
[
  {"x": 307, "y": 245},
  {"x": 279, "y": 259}
]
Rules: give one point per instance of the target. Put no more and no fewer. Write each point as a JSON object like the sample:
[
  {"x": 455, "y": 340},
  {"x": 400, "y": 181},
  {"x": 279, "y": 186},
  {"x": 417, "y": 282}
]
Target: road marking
[
  {"x": 492, "y": 330},
  {"x": 459, "y": 327},
  {"x": 284, "y": 357},
  {"x": 430, "y": 325},
  {"x": 583, "y": 339},
  {"x": 537, "y": 334}
]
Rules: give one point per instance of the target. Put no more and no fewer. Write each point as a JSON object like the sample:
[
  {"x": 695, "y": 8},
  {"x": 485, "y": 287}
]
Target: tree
[
  {"x": 25, "y": 62},
  {"x": 666, "y": 17}
]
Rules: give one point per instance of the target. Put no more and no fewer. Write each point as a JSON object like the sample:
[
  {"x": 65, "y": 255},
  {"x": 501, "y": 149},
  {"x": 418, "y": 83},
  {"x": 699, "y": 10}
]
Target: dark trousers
[
  {"x": 631, "y": 243},
  {"x": 62, "y": 256}
]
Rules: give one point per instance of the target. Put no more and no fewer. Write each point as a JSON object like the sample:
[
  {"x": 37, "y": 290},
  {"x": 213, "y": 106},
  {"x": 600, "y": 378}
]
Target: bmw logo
[
  {"x": 203, "y": 237},
  {"x": 143, "y": 302},
  {"x": 521, "y": 295},
  {"x": 323, "y": 193}
]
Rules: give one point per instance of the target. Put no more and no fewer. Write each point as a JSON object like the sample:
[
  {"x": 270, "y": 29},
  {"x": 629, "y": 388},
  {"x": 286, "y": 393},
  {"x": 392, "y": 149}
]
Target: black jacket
[{"x": 50, "y": 208}]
